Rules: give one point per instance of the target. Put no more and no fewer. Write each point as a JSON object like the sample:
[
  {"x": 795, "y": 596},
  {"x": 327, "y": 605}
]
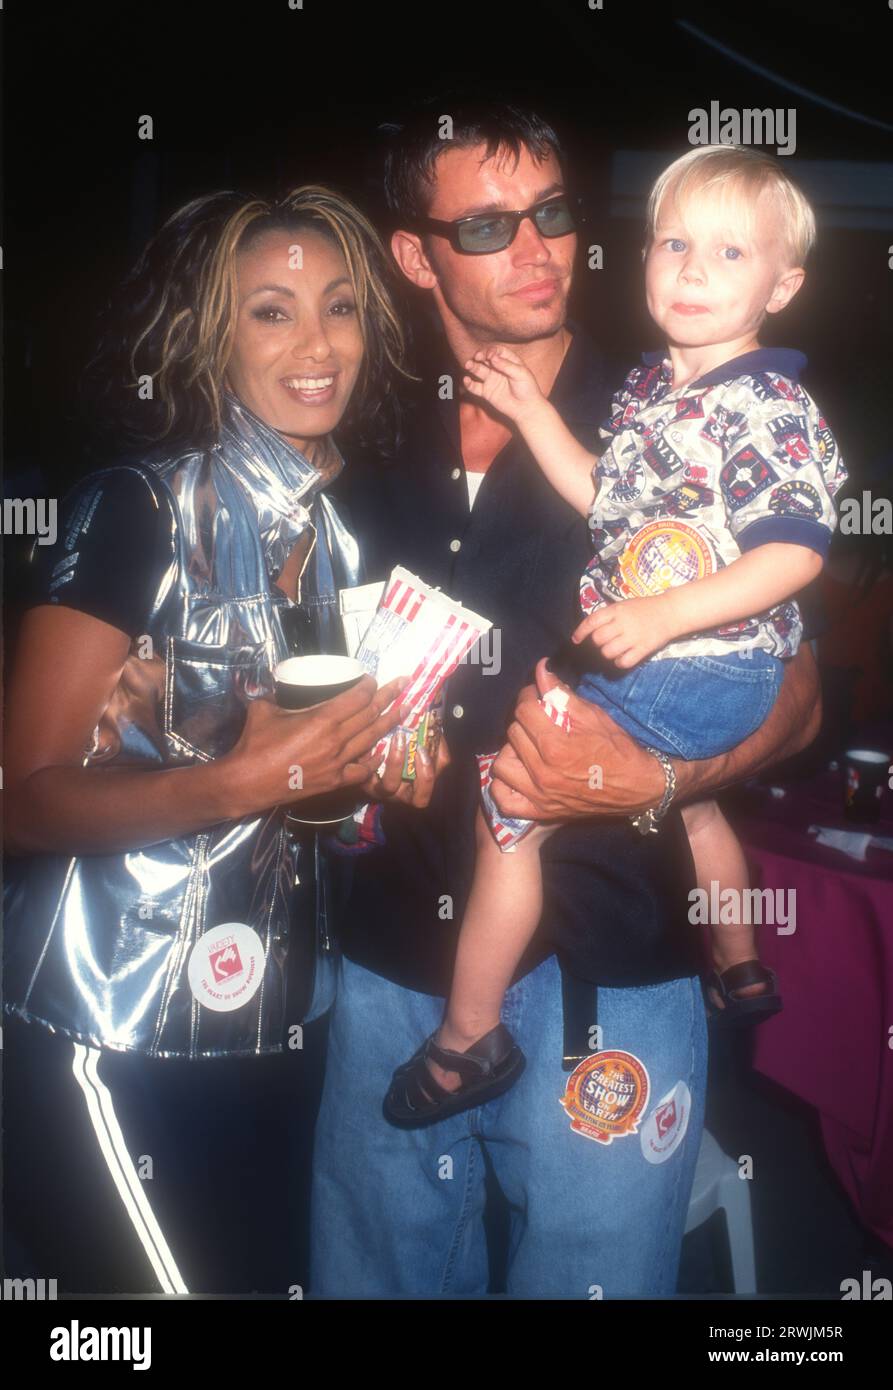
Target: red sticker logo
[
  {"x": 666, "y": 1126},
  {"x": 225, "y": 963}
]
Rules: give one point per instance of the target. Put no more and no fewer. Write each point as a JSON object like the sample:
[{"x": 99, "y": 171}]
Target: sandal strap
[
  {"x": 748, "y": 972},
  {"x": 420, "y": 1089},
  {"x": 479, "y": 1061},
  {"x": 416, "y": 1098}
]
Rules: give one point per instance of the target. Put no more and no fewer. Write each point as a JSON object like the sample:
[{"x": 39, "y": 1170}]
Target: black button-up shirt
[{"x": 615, "y": 901}]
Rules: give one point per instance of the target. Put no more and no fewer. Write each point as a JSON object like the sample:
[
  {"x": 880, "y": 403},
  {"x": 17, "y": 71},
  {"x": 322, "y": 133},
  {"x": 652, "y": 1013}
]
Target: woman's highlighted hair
[{"x": 176, "y": 323}]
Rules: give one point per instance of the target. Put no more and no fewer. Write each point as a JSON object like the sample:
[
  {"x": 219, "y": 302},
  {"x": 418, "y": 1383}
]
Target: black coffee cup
[
  {"x": 865, "y": 775},
  {"x": 302, "y": 683}
]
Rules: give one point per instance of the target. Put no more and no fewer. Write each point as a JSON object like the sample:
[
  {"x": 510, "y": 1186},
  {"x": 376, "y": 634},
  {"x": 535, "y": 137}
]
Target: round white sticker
[
  {"x": 664, "y": 1129},
  {"x": 226, "y": 967}
]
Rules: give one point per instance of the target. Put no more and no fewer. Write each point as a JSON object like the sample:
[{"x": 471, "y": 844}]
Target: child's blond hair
[{"x": 739, "y": 176}]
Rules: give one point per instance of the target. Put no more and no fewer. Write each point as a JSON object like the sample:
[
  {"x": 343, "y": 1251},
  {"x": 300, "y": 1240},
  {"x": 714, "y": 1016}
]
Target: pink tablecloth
[{"x": 833, "y": 1043}]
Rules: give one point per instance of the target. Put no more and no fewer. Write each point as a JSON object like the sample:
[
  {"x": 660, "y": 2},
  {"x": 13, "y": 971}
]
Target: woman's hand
[
  {"x": 286, "y": 755},
  {"x": 68, "y": 668},
  {"x": 390, "y": 785}
]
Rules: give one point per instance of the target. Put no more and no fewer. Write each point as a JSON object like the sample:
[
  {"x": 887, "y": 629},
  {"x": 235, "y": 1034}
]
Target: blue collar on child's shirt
[{"x": 786, "y": 361}]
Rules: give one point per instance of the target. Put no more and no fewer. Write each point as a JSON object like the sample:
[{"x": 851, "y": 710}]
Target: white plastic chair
[{"x": 717, "y": 1184}]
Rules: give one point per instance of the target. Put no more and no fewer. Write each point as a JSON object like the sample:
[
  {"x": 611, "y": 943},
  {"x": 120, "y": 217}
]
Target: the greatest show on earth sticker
[{"x": 606, "y": 1095}]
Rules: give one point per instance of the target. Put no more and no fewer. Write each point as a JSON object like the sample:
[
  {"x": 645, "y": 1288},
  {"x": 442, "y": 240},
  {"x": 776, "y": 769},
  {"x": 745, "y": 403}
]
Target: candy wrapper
[
  {"x": 508, "y": 830},
  {"x": 358, "y": 608},
  {"x": 417, "y": 630}
]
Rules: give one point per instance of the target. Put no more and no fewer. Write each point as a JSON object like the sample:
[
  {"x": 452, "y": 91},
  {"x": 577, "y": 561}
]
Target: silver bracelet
[{"x": 646, "y": 821}]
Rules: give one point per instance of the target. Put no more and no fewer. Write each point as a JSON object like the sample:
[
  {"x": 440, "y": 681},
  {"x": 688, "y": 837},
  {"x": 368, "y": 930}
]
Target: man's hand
[
  {"x": 595, "y": 770},
  {"x": 390, "y": 785},
  {"x": 628, "y": 632},
  {"x": 546, "y": 774}
]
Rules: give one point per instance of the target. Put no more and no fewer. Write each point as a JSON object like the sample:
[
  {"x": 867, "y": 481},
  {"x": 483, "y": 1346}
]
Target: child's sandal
[
  {"x": 487, "y": 1068},
  {"x": 742, "y": 1011}
]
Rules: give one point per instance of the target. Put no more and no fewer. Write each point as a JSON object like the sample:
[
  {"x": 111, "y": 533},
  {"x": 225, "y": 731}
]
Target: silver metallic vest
[{"x": 96, "y": 946}]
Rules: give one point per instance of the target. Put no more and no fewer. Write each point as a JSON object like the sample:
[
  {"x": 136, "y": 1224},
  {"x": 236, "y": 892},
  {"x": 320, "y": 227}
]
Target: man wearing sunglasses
[
  {"x": 483, "y": 233},
  {"x": 485, "y": 228}
]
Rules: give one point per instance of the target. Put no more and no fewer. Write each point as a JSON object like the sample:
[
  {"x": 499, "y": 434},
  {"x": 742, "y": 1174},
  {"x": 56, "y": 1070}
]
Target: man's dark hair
[{"x": 414, "y": 145}]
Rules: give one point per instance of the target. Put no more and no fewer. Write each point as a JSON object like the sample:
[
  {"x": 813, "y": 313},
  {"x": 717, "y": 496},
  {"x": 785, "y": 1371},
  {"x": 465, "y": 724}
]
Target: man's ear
[
  {"x": 409, "y": 254},
  {"x": 785, "y": 289}
]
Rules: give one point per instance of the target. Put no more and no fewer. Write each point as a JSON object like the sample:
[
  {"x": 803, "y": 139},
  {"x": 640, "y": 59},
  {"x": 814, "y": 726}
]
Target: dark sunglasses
[{"x": 494, "y": 231}]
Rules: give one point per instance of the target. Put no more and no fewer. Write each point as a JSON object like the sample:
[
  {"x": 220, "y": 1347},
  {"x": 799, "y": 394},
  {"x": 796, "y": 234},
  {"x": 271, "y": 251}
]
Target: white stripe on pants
[{"x": 121, "y": 1167}]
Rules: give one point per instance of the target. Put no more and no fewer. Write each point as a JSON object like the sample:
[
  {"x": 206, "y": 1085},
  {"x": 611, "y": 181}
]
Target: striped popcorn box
[
  {"x": 507, "y": 830},
  {"x": 419, "y": 631},
  {"x": 554, "y": 704}
]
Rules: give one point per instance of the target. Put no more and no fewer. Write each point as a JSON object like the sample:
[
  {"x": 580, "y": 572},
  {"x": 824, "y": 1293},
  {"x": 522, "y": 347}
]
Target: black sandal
[
  {"x": 490, "y": 1066},
  {"x": 738, "y": 1011}
]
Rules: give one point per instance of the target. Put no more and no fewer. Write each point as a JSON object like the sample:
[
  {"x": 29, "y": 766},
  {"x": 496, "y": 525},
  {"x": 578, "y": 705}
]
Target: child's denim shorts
[{"x": 690, "y": 707}]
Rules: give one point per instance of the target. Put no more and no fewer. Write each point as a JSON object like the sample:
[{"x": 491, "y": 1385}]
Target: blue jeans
[
  {"x": 399, "y": 1212},
  {"x": 692, "y": 706}
]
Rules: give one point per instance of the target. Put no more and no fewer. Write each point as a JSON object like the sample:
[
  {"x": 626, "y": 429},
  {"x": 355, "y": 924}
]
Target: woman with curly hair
[{"x": 151, "y": 1107}]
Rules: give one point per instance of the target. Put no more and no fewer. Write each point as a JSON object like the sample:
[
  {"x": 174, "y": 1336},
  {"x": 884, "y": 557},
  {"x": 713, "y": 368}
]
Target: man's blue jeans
[{"x": 400, "y": 1211}]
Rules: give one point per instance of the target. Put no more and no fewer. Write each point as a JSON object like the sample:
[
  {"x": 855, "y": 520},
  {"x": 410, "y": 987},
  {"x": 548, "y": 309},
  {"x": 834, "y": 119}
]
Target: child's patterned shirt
[{"x": 693, "y": 478}]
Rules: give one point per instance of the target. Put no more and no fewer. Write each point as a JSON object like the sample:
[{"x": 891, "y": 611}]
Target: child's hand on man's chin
[{"x": 498, "y": 376}]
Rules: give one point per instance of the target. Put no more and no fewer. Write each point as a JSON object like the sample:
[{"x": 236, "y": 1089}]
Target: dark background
[{"x": 259, "y": 96}]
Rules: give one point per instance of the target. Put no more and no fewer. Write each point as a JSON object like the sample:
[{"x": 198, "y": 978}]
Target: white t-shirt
[{"x": 473, "y": 481}]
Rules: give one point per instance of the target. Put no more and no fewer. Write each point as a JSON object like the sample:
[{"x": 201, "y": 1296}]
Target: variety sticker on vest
[
  {"x": 606, "y": 1095},
  {"x": 226, "y": 967},
  {"x": 664, "y": 1129}
]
